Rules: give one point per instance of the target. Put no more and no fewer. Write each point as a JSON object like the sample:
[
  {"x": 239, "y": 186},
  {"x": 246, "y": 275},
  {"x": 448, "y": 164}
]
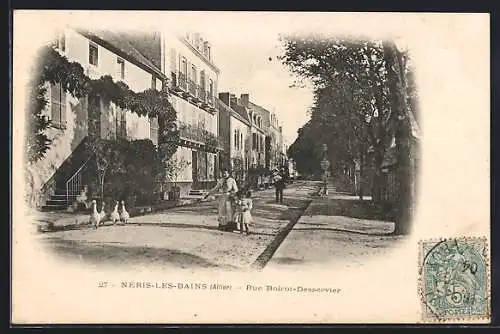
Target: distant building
[{"x": 235, "y": 131}]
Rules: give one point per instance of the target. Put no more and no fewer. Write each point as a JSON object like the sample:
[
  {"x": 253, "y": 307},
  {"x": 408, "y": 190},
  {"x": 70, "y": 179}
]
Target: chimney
[
  {"x": 245, "y": 99},
  {"x": 224, "y": 97},
  {"x": 233, "y": 100}
]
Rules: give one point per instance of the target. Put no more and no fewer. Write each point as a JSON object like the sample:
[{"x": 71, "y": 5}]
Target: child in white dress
[{"x": 246, "y": 207}]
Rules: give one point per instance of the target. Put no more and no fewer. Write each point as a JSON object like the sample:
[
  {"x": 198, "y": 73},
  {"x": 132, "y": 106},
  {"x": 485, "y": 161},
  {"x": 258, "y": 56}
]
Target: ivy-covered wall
[{"x": 47, "y": 148}]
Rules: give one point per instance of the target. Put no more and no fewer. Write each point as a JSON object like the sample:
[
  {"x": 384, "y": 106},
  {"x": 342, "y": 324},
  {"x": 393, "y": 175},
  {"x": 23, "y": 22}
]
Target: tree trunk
[
  {"x": 102, "y": 187},
  {"x": 378, "y": 177},
  {"x": 402, "y": 135},
  {"x": 361, "y": 177}
]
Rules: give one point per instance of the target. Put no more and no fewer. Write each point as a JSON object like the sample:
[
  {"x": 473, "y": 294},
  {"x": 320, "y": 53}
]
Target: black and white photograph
[{"x": 250, "y": 167}]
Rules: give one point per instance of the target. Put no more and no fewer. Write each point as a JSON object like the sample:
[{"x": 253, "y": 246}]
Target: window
[
  {"x": 57, "y": 106},
  {"x": 153, "y": 82},
  {"x": 121, "y": 123},
  {"x": 183, "y": 66},
  {"x": 211, "y": 88},
  {"x": 93, "y": 54},
  {"x": 205, "y": 48},
  {"x": 197, "y": 41},
  {"x": 236, "y": 139},
  {"x": 241, "y": 140},
  {"x": 120, "y": 63},
  {"x": 153, "y": 126},
  {"x": 193, "y": 73},
  {"x": 254, "y": 141},
  {"x": 60, "y": 42},
  {"x": 202, "y": 80},
  {"x": 208, "y": 53}
]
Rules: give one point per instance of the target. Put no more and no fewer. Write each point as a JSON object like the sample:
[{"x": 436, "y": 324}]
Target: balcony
[
  {"x": 202, "y": 95},
  {"x": 210, "y": 99},
  {"x": 193, "y": 89},
  {"x": 182, "y": 82},
  {"x": 198, "y": 137},
  {"x": 210, "y": 103}
]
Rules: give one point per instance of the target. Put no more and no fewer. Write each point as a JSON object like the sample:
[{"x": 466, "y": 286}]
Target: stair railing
[{"x": 74, "y": 183}]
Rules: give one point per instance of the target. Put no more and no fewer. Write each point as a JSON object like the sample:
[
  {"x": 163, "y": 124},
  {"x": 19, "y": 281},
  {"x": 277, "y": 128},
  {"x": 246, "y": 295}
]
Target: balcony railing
[
  {"x": 192, "y": 88},
  {"x": 182, "y": 82},
  {"x": 202, "y": 95},
  {"x": 198, "y": 134},
  {"x": 173, "y": 80},
  {"x": 210, "y": 99}
]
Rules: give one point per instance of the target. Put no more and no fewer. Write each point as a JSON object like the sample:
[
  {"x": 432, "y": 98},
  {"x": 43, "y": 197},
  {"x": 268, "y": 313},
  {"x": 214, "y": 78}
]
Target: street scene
[{"x": 184, "y": 151}]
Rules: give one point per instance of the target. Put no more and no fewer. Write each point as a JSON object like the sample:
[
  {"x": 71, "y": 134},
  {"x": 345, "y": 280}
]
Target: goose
[
  {"x": 102, "y": 214},
  {"x": 124, "y": 216},
  {"x": 115, "y": 216},
  {"x": 94, "y": 216}
]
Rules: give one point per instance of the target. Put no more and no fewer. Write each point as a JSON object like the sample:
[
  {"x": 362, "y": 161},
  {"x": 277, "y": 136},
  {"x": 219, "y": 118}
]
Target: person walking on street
[
  {"x": 279, "y": 184},
  {"x": 227, "y": 186}
]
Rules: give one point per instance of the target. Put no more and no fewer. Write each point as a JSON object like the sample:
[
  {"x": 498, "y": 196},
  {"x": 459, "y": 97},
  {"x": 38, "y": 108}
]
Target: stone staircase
[{"x": 56, "y": 202}]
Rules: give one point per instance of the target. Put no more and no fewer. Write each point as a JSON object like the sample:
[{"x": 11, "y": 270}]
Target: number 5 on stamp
[{"x": 454, "y": 280}]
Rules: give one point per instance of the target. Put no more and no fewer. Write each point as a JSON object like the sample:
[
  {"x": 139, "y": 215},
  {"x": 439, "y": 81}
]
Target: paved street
[
  {"x": 337, "y": 229},
  {"x": 185, "y": 237}
]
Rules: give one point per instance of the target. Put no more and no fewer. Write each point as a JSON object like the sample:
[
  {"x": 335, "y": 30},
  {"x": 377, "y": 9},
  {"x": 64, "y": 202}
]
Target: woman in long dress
[{"x": 228, "y": 189}]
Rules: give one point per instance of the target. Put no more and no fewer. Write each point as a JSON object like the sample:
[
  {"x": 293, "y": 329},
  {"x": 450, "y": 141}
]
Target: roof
[
  {"x": 119, "y": 44},
  {"x": 256, "y": 106},
  {"x": 242, "y": 112},
  {"x": 238, "y": 113}
]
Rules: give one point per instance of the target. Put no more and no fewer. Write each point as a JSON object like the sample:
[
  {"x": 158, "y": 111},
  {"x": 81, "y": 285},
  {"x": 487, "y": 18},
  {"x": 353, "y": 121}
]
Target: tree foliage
[
  {"x": 363, "y": 91},
  {"x": 127, "y": 170},
  {"x": 351, "y": 99},
  {"x": 54, "y": 68}
]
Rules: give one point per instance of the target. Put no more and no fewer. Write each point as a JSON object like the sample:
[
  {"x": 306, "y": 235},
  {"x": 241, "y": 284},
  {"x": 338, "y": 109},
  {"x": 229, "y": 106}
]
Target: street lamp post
[{"x": 325, "y": 165}]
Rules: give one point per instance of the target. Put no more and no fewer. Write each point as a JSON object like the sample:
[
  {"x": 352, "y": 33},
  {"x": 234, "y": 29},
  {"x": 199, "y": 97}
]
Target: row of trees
[{"x": 364, "y": 100}]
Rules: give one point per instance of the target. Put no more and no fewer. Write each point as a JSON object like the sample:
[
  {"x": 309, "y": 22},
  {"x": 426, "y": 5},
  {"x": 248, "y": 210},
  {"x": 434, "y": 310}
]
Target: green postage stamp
[{"x": 454, "y": 281}]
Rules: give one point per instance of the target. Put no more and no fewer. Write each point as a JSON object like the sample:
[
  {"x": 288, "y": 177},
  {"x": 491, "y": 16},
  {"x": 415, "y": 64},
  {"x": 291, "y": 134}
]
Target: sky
[
  {"x": 251, "y": 66},
  {"x": 242, "y": 45}
]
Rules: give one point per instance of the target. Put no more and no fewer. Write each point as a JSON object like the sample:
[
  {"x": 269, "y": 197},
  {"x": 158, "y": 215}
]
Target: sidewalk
[
  {"x": 61, "y": 220},
  {"x": 336, "y": 229}
]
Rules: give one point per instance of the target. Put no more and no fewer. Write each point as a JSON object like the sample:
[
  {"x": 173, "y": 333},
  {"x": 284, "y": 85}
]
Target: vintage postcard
[{"x": 250, "y": 167}]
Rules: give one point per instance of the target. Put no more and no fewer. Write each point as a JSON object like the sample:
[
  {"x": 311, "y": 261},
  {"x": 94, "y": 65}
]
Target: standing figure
[
  {"x": 279, "y": 184},
  {"x": 228, "y": 189},
  {"x": 238, "y": 211},
  {"x": 246, "y": 216}
]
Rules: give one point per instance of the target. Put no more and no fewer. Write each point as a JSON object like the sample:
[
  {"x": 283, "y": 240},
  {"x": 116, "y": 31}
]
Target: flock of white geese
[{"x": 116, "y": 216}]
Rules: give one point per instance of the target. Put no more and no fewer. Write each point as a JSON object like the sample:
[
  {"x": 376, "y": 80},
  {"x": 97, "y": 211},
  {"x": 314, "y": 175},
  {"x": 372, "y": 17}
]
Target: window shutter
[
  {"x": 173, "y": 60},
  {"x": 55, "y": 104},
  {"x": 153, "y": 122},
  {"x": 63, "y": 106}
]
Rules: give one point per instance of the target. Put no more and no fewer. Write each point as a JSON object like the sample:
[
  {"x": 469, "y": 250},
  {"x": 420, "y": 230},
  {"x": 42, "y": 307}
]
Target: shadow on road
[
  {"x": 352, "y": 208},
  {"x": 104, "y": 253}
]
